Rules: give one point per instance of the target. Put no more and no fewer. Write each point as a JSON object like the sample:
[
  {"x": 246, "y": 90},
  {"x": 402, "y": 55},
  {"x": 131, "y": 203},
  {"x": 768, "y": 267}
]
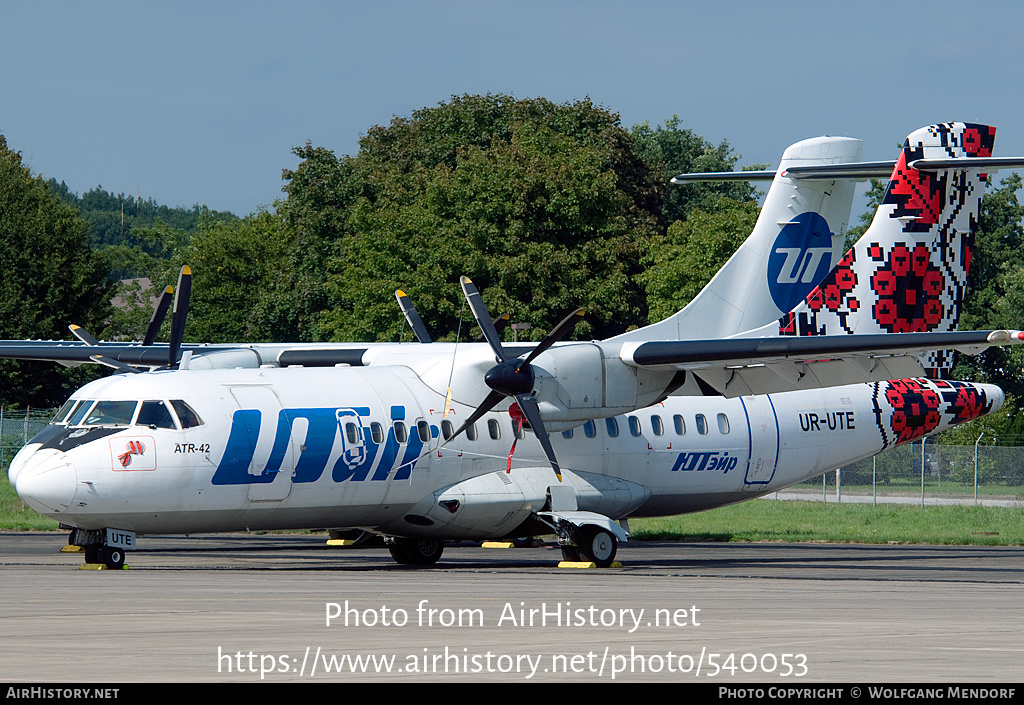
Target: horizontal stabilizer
[{"x": 857, "y": 171}]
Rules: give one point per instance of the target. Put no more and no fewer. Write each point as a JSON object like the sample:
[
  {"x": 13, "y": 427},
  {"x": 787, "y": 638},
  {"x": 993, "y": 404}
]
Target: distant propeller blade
[
  {"x": 158, "y": 316},
  {"x": 561, "y": 330},
  {"x": 181, "y": 296},
  {"x": 116, "y": 364},
  {"x": 415, "y": 322},
  {"x": 83, "y": 335}
]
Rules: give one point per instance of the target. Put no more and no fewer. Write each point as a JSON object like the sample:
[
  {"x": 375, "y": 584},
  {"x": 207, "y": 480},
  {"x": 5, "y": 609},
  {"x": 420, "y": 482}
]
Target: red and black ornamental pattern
[
  {"x": 908, "y": 273},
  {"x": 908, "y": 409}
]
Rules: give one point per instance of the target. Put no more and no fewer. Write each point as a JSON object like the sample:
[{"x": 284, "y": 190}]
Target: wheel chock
[
  {"x": 585, "y": 564},
  {"x": 72, "y": 549},
  {"x": 497, "y": 544}
]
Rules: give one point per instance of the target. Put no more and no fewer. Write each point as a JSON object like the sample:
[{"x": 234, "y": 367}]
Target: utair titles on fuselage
[{"x": 415, "y": 441}]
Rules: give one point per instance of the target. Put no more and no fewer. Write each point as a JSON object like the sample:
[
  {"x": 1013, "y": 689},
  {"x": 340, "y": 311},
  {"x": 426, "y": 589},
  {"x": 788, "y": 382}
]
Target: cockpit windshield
[
  {"x": 171, "y": 414},
  {"x": 111, "y": 413}
]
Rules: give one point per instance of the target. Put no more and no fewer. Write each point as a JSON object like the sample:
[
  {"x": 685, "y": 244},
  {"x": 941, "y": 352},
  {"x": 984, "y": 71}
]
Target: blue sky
[{"x": 202, "y": 102}]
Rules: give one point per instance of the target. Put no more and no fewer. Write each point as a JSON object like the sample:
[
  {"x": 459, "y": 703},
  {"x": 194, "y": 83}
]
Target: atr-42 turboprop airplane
[{"x": 425, "y": 443}]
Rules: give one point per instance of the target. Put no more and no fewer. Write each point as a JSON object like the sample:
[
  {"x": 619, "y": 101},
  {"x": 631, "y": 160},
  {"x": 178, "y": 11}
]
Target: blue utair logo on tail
[{"x": 800, "y": 258}]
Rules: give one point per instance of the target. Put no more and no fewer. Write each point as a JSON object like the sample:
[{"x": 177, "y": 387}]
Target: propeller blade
[
  {"x": 561, "y": 330},
  {"x": 83, "y": 335},
  {"x": 528, "y": 405},
  {"x": 181, "y": 296},
  {"x": 483, "y": 318},
  {"x": 415, "y": 322},
  {"x": 500, "y": 323},
  {"x": 492, "y": 400},
  {"x": 116, "y": 364},
  {"x": 158, "y": 316}
]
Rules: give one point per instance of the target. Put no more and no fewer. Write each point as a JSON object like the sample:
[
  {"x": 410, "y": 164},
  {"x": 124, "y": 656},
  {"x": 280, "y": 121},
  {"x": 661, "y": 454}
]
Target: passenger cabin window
[
  {"x": 401, "y": 434},
  {"x": 155, "y": 414},
  {"x": 186, "y": 414},
  {"x": 657, "y": 425},
  {"x": 567, "y": 433},
  {"x": 447, "y": 430},
  {"x": 494, "y": 429},
  {"x": 519, "y": 429},
  {"x": 377, "y": 433},
  {"x": 723, "y": 424},
  {"x": 613, "y": 427},
  {"x": 702, "y": 424},
  {"x": 590, "y": 429},
  {"x": 111, "y": 413},
  {"x": 634, "y": 425},
  {"x": 680, "y": 425},
  {"x": 423, "y": 428},
  {"x": 351, "y": 434},
  {"x": 471, "y": 432}
]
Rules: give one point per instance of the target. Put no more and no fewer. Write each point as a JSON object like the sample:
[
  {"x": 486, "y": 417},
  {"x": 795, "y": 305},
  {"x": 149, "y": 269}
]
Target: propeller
[
  {"x": 413, "y": 318},
  {"x": 179, "y": 313},
  {"x": 513, "y": 377},
  {"x": 419, "y": 329},
  {"x": 177, "y": 324},
  {"x": 158, "y": 316}
]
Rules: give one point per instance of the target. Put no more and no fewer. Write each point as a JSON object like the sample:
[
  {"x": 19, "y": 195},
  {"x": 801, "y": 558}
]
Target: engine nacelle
[{"x": 580, "y": 381}]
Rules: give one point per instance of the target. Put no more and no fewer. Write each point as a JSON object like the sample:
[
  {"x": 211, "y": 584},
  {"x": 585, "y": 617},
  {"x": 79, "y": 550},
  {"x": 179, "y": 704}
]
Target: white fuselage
[{"x": 359, "y": 447}]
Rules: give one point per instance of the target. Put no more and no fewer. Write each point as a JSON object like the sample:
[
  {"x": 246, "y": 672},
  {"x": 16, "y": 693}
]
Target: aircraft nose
[{"x": 46, "y": 481}]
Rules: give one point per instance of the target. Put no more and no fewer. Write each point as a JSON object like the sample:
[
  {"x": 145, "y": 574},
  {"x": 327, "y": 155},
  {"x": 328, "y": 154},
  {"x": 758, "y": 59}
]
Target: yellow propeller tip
[
  {"x": 399, "y": 292},
  {"x": 186, "y": 270}
]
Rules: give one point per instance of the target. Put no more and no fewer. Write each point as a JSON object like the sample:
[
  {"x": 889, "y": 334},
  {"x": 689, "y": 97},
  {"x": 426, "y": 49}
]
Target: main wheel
[
  {"x": 416, "y": 551},
  {"x": 597, "y": 545}
]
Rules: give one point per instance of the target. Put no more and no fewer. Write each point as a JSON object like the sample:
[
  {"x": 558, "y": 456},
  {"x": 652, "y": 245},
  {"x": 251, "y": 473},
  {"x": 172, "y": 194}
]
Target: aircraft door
[
  {"x": 273, "y": 460},
  {"x": 763, "y": 426}
]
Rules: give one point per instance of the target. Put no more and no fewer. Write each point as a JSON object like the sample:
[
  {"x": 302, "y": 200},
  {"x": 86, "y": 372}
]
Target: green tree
[
  {"x": 693, "y": 251},
  {"x": 670, "y": 149},
  {"x": 995, "y": 288},
  {"x": 50, "y": 279},
  {"x": 547, "y": 207}
]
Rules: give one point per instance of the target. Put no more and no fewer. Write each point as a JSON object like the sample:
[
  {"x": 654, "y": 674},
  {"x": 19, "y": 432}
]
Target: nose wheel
[{"x": 99, "y": 554}]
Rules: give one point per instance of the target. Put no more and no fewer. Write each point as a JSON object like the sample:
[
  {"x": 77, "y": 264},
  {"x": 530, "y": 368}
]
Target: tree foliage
[
  {"x": 546, "y": 207},
  {"x": 50, "y": 278},
  {"x": 670, "y": 149},
  {"x": 693, "y": 251}
]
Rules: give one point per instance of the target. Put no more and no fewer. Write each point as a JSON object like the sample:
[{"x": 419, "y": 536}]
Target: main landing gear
[
  {"x": 593, "y": 545},
  {"x": 421, "y": 551}
]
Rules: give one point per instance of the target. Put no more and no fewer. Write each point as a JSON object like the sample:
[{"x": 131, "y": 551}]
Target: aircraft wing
[
  {"x": 742, "y": 366},
  {"x": 206, "y": 355}
]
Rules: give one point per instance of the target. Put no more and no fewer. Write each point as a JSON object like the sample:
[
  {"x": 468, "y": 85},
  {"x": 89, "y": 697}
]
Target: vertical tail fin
[
  {"x": 797, "y": 240},
  {"x": 908, "y": 273}
]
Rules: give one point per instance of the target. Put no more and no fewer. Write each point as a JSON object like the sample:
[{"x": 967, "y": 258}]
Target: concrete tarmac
[{"x": 283, "y": 608}]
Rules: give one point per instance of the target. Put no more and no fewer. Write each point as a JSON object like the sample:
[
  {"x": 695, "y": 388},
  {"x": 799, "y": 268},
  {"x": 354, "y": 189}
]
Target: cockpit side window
[
  {"x": 111, "y": 413},
  {"x": 63, "y": 411},
  {"x": 186, "y": 414},
  {"x": 155, "y": 414},
  {"x": 79, "y": 413}
]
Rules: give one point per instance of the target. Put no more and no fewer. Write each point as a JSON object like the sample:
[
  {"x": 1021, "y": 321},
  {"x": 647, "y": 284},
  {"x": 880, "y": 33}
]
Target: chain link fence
[
  {"x": 930, "y": 470},
  {"x": 17, "y": 426}
]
